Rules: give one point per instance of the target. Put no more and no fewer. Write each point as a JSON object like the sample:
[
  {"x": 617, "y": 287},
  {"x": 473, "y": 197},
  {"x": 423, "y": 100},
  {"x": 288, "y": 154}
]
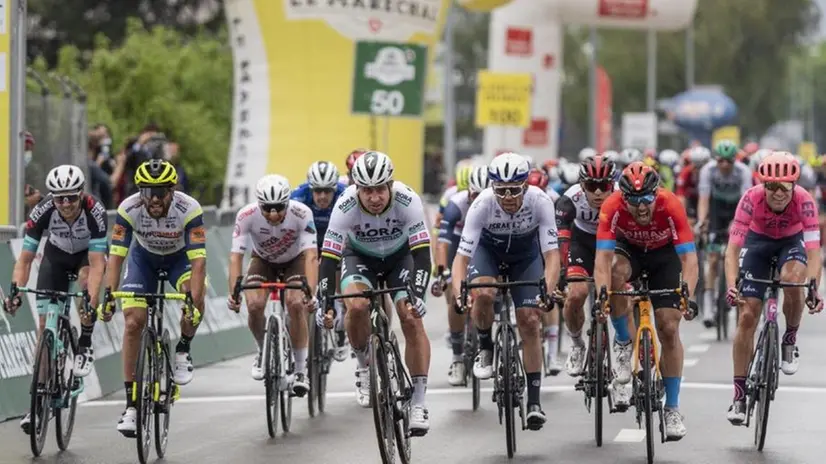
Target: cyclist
[
  {"x": 76, "y": 223},
  {"x": 283, "y": 236},
  {"x": 450, "y": 232},
  {"x": 378, "y": 229},
  {"x": 644, "y": 227},
  {"x": 775, "y": 219},
  {"x": 320, "y": 193},
  {"x": 511, "y": 223},
  {"x": 349, "y": 161},
  {"x": 168, "y": 226},
  {"x": 664, "y": 171},
  {"x": 539, "y": 178},
  {"x": 686, "y": 184},
  {"x": 569, "y": 175},
  {"x": 722, "y": 182}
]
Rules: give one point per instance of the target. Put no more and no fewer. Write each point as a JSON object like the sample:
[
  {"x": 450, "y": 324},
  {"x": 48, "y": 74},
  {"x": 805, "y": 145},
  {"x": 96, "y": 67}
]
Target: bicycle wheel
[
  {"x": 324, "y": 345},
  {"x": 403, "y": 394},
  {"x": 599, "y": 380},
  {"x": 471, "y": 348},
  {"x": 286, "y": 394},
  {"x": 383, "y": 400},
  {"x": 313, "y": 361},
  {"x": 144, "y": 388},
  {"x": 65, "y": 415},
  {"x": 722, "y": 306},
  {"x": 505, "y": 370},
  {"x": 648, "y": 394},
  {"x": 41, "y": 393},
  {"x": 765, "y": 388},
  {"x": 165, "y": 386},
  {"x": 272, "y": 360}
]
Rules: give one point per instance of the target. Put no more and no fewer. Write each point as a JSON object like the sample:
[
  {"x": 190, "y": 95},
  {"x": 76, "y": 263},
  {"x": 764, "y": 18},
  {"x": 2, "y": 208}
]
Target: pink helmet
[{"x": 780, "y": 166}]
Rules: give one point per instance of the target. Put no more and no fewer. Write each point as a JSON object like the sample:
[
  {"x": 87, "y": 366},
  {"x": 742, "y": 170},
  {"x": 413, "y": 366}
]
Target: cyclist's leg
[
  {"x": 298, "y": 314},
  {"x": 526, "y": 300},
  {"x": 483, "y": 268},
  {"x": 179, "y": 272},
  {"x": 357, "y": 275},
  {"x": 456, "y": 325},
  {"x": 340, "y": 350},
  {"x": 580, "y": 264},
  {"x": 792, "y": 261},
  {"x": 258, "y": 271},
  {"x": 625, "y": 268}
]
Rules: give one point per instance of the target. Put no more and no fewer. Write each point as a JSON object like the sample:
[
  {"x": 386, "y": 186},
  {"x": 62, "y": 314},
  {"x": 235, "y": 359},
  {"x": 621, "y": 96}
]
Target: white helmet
[
  {"x": 478, "y": 179},
  {"x": 530, "y": 160},
  {"x": 372, "y": 169},
  {"x": 668, "y": 157},
  {"x": 65, "y": 178},
  {"x": 699, "y": 155},
  {"x": 757, "y": 158},
  {"x": 509, "y": 167},
  {"x": 553, "y": 173},
  {"x": 569, "y": 174},
  {"x": 322, "y": 174},
  {"x": 611, "y": 155},
  {"x": 631, "y": 155},
  {"x": 586, "y": 153},
  {"x": 273, "y": 189}
]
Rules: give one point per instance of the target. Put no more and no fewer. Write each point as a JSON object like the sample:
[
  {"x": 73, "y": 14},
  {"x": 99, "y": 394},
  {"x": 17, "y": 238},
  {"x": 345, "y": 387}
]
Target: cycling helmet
[
  {"x": 630, "y": 155},
  {"x": 611, "y": 155},
  {"x": 372, "y": 169},
  {"x": 353, "y": 156},
  {"x": 463, "y": 173},
  {"x": 586, "y": 153},
  {"x": 699, "y": 155},
  {"x": 569, "y": 174},
  {"x": 726, "y": 150},
  {"x": 597, "y": 169},
  {"x": 530, "y": 161},
  {"x": 669, "y": 158},
  {"x": 65, "y": 178},
  {"x": 156, "y": 173},
  {"x": 751, "y": 148},
  {"x": 478, "y": 179},
  {"x": 758, "y": 157},
  {"x": 273, "y": 189},
  {"x": 638, "y": 179},
  {"x": 508, "y": 167},
  {"x": 780, "y": 166},
  {"x": 538, "y": 178},
  {"x": 322, "y": 174}
]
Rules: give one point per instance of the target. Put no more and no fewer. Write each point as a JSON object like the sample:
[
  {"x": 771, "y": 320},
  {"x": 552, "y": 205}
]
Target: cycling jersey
[
  {"x": 304, "y": 194},
  {"x": 724, "y": 189},
  {"x": 446, "y": 196},
  {"x": 453, "y": 217},
  {"x": 87, "y": 232},
  {"x": 573, "y": 208},
  {"x": 345, "y": 179},
  {"x": 274, "y": 243},
  {"x": 669, "y": 225},
  {"x": 753, "y": 214},
  {"x": 686, "y": 187},
  {"x": 181, "y": 229},
  {"x": 553, "y": 194}
]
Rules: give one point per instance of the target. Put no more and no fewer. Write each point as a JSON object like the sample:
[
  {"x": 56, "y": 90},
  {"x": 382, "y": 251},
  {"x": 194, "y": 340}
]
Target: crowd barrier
[{"x": 222, "y": 335}]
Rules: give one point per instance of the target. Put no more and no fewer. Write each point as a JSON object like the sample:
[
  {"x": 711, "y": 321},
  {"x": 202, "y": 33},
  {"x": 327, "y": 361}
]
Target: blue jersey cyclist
[
  {"x": 168, "y": 228},
  {"x": 320, "y": 193}
]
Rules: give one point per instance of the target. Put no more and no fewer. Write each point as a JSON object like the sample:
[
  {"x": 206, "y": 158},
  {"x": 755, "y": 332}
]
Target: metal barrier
[{"x": 7, "y": 233}]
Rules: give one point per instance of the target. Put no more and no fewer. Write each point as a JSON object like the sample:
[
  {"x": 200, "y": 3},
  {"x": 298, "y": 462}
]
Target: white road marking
[
  {"x": 690, "y": 362},
  {"x": 708, "y": 336},
  {"x": 630, "y": 436},
  {"x": 701, "y": 348}
]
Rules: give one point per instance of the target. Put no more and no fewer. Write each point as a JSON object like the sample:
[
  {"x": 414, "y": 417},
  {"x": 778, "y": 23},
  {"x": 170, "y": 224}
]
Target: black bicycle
[
  {"x": 319, "y": 360},
  {"x": 763, "y": 373},
  {"x": 509, "y": 375},
  {"x": 154, "y": 389},
  {"x": 54, "y": 387},
  {"x": 391, "y": 389}
]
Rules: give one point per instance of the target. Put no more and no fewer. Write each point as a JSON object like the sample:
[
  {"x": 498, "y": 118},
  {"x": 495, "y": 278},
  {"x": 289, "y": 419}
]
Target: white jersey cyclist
[
  {"x": 274, "y": 243},
  {"x": 181, "y": 228},
  {"x": 574, "y": 205},
  {"x": 454, "y": 215}
]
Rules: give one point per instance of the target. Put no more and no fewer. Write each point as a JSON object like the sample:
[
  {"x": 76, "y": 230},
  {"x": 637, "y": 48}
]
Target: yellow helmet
[
  {"x": 463, "y": 176},
  {"x": 156, "y": 173}
]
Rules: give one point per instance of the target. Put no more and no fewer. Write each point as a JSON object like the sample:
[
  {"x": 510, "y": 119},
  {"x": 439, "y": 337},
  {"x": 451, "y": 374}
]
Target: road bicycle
[
  {"x": 509, "y": 374},
  {"x": 319, "y": 359},
  {"x": 154, "y": 390},
  {"x": 648, "y": 388},
  {"x": 54, "y": 388},
  {"x": 469, "y": 352},
  {"x": 391, "y": 389},
  {"x": 764, "y": 368},
  {"x": 277, "y": 352}
]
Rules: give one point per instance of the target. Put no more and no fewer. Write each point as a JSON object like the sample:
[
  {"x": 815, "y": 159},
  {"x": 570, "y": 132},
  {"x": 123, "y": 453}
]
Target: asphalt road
[{"x": 221, "y": 419}]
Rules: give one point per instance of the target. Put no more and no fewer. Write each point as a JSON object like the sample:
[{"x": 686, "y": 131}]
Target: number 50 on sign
[{"x": 503, "y": 99}]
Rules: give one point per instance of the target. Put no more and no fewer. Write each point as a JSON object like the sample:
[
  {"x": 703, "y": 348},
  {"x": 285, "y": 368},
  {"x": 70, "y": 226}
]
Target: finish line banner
[{"x": 296, "y": 81}]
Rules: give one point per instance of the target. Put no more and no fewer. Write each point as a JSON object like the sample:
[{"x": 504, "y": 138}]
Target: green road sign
[{"x": 389, "y": 79}]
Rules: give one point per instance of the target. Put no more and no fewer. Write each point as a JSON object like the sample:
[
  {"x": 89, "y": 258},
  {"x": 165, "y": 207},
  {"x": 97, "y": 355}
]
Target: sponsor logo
[
  {"x": 347, "y": 204},
  {"x": 180, "y": 206},
  {"x": 99, "y": 215},
  {"x": 119, "y": 233},
  {"x": 298, "y": 211},
  {"x": 197, "y": 235},
  {"x": 310, "y": 227},
  {"x": 380, "y": 233},
  {"x": 17, "y": 354},
  {"x": 391, "y": 67},
  {"x": 403, "y": 199},
  {"x": 41, "y": 209}
]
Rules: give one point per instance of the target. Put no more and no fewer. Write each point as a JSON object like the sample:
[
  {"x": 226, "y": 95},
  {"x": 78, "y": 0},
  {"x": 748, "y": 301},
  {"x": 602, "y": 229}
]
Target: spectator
[
  {"x": 31, "y": 196},
  {"x": 105, "y": 171},
  {"x": 149, "y": 144},
  {"x": 173, "y": 155}
]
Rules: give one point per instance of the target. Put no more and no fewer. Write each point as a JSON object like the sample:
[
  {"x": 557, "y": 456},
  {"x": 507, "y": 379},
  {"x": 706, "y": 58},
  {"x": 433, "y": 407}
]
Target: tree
[{"x": 182, "y": 84}]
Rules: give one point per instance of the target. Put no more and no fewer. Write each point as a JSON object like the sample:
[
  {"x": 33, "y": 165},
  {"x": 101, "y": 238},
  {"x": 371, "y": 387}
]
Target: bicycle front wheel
[
  {"x": 41, "y": 393},
  {"x": 506, "y": 371},
  {"x": 471, "y": 348},
  {"x": 272, "y": 359},
  {"x": 767, "y": 383},
  {"x": 648, "y": 393},
  {"x": 599, "y": 378},
  {"x": 65, "y": 382},
  {"x": 383, "y": 400},
  {"x": 166, "y": 388},
  {"x": 313, "y": 364},
  {"x": 144, "y": 395}
]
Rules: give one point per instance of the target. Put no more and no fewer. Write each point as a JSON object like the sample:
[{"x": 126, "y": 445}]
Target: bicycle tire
[
  {"x": 381, "y": 398},
  {"x": 144, "y": 403},
  {"x": 471, "y": 349},
  {"x": 599, "y": 384},
  {"x": 40, "y": 405},
  {"x": 722, "y": 306},
  {"x": 163, "y": 406},
  {"x": 507, "y": 380},
  {"x": 323, "y": 370},
  {"x": 768, "y": 372},
  {"x": 286, "y": 395},
  {"x": 63, "y": 429},
  {"x": 405, "y": 390},
  {"x": 313, "y": 357},
  {"x": 648, "y": 394},
  {"x": 272, "y": 358}
]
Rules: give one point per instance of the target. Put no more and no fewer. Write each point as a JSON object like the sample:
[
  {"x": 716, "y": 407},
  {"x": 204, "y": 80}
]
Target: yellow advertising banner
[
  {"x": 503, "y": 99},
  {"x": 807, "y": 150},
  {"x": 301, "y": 67},
  {"x": 726, "y": 133},
  {"x": 5, "y": 109}
]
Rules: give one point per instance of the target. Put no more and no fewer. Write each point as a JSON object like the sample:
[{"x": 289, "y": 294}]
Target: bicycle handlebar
[
  {"x": 770, "y": 282},
  {"x": 301, "y": 284},
  {"x": 466, "y": 286},
  {"x": 49, "y": 293},
  {"x": 189, "y": 308}
]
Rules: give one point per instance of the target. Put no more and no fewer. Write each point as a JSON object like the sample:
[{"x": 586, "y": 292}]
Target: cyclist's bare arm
[
  {"x": 22, "y": 267},
  {"x": 97, "y": 267},
  {"x": 732, "y": 264}
]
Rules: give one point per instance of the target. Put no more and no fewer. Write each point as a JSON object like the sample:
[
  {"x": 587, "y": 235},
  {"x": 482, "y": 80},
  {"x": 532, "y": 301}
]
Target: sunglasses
[
  {"x": 782, "y": 186},
  {"x": 155, "y": 192},
  {"x": 270, "y": 207},
  {"x": 73, "y": 198},
  {"x": 593, "y": 186},
  {"x": 636, "y": 200},
  {"x": 509, "y": 190},
  {"x": 324, "y": 190}
]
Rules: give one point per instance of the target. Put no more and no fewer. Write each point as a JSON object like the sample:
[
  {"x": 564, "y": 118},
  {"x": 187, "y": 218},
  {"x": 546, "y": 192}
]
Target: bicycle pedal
[{"x": 129, "y": 433}]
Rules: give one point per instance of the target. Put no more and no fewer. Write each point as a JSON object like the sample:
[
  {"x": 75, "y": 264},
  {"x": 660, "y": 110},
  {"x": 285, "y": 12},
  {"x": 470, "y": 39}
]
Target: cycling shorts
[
  {"x": 393, "y": 271},
  {"x": 54, "y": 266},
  {"x": 485, "y": 263},
  {"x": 717, "y": 241},
  {"x": 664, "y": 270},
  {"x": 141, "y": 274},
  {"x": 581, "y": 254},
  {"x": 756, "y": 256},
  {"x": 260, "y": 270}
]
